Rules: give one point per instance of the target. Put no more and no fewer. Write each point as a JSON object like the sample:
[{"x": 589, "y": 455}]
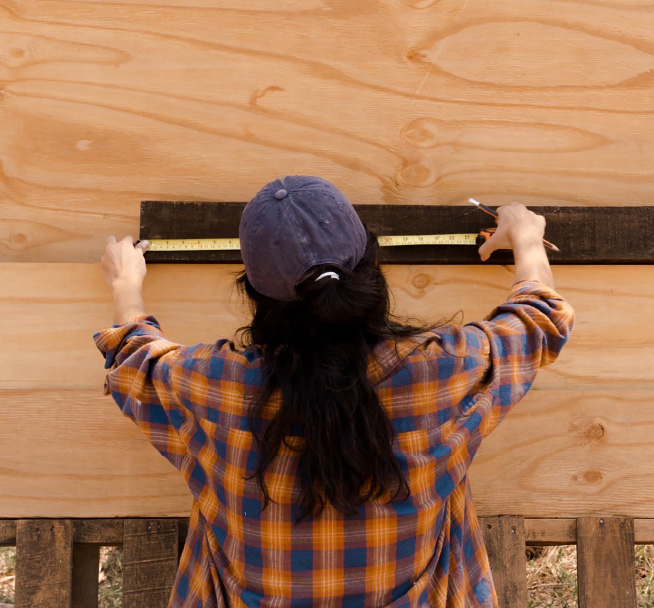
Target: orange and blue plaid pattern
[{"x": 444, "y": 391}]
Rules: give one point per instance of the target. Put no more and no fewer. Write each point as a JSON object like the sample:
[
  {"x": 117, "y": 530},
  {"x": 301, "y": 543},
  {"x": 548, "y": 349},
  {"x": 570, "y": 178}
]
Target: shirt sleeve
[
  {"x": 519, "y": 337},
  {"x": 501, "y": 357},
  {"x": 139, "y": 358}
]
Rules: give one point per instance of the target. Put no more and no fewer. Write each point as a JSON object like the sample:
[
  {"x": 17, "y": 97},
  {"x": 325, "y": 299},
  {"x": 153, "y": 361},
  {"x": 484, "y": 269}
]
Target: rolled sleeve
[
  {"x": 500, "y": 357},
  {"x": 519, "y": 337},
  {"x": 136, "y": 355}
]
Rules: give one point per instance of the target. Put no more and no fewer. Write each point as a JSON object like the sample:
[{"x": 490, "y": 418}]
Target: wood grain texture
[
  {"x": 606, "y": 575},
  {"x": 57, "y": 307},
  {"x": 150, "y": 560},
  {"x": 574, "y": 447},
  {"x": 415, "y": 101},
  {"x": 44, "y": 563},
  {"x": 505, "y": 543},
  {"x": 562, "y": 453}
]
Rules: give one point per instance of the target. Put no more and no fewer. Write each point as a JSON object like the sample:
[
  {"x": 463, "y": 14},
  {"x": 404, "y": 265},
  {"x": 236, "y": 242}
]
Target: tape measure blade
[
  {"x": 427, "y": 239},
  {"x": 233, "y": 244},
  {"x": 217, "y": 244}
]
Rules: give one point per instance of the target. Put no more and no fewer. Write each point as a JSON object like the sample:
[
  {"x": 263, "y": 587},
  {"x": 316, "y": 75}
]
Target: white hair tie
[{"x": 331, "y": 275}]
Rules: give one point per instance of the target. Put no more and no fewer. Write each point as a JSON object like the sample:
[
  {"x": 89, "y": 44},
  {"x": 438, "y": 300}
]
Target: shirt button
[{"x": 280, "y": 194}]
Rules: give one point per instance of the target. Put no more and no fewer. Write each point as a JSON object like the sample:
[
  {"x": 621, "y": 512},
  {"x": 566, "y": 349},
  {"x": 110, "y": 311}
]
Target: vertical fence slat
[
  {"x": 606, "y": 575},
  {"x": 44, "y": 563},
  {"x": 505, "y": 543},
  {"x": 86, "y": 563},
  {"x": 150, "y": 550}
]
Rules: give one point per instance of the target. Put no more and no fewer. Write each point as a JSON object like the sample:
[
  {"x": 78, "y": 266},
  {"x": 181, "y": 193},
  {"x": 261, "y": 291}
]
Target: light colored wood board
[
  {"x": 417, "y": 101},
  {"x": 48, "y": 313},
  {"x": 74, "y": 454},
  {"x": 570, "y": 453},
  {"x": 559, "y": 454},
  {"x": 63, "y": 305}
]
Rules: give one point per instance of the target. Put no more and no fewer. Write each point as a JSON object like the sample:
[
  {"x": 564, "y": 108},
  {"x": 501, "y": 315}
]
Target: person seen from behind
[{"x": 328, "y": 455}]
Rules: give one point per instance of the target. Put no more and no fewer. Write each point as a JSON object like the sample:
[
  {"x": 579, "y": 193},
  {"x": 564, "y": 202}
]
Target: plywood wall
[{"x": 103, "y": 104}]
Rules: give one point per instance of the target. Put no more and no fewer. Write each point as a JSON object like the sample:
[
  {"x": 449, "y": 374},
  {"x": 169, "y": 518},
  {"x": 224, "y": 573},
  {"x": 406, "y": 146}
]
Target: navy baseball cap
[{"x": 293, "y": 224}]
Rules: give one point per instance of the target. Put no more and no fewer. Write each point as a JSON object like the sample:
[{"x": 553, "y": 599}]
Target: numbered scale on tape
[{"x": 231, "y": 244}]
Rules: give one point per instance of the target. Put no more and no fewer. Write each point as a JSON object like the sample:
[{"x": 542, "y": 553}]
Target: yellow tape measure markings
[{"x": 224, "y": 244}]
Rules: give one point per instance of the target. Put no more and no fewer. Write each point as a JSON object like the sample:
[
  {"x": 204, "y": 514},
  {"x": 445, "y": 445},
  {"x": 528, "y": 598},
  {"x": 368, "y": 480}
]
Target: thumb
[{"x": 485, "y": 250}]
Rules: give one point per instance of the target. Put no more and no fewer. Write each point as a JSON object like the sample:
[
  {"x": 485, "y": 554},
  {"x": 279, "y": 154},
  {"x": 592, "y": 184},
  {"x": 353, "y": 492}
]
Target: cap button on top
[{"x": 280, "y": 194}]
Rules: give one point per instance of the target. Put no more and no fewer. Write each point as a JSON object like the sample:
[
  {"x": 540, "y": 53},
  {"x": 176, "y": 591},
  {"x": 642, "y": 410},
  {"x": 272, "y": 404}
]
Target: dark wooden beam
[
  {"x": 585, "y": 235},
  {"x": 505, "y": 543},
  {"x": 606, "y": 574},
  {"x": 44, "y": 563},
  {"x": 150, "y": 557}
]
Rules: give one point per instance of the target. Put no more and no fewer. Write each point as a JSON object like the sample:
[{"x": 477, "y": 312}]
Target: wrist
[
  {"x": 127, "y": 283},
  {"x": 525, "y": 243}
]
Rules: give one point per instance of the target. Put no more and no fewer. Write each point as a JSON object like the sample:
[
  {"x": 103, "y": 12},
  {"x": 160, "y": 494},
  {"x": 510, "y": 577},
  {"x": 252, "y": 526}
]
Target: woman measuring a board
[{"x": 328, "y": 457}]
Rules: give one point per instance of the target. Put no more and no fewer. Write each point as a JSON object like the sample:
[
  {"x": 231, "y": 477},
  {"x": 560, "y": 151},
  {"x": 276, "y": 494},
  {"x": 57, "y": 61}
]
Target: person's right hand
[{"x": 516, "y": 227}]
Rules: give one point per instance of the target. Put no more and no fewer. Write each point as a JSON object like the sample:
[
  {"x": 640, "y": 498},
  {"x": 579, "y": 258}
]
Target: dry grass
[
  {"x": 551, "y": 576},
  {"x": 110, "y": 588},
  {"x": 7, "y": 571}
]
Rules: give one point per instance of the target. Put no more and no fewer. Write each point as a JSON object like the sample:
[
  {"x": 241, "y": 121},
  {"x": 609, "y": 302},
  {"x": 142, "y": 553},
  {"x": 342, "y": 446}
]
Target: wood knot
[
  {"x": 17, "y": 238},
  {"x": 420, "y": 280},
  {"x": 18, "y": 53},
  {"x": 421, "y": 133},
  {"x": 593, "y": 433},
  {"x": 420, "y": 4},
  {"x": 592, "y": 476},
  {"x": 589, "y": 477},
  {"x": 417, "y": 175},
  {"x": 588, "y": 432}
]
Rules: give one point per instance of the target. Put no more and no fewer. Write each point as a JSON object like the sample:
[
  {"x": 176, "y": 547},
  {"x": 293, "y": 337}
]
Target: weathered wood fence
[{"x": 57, "y": 559}]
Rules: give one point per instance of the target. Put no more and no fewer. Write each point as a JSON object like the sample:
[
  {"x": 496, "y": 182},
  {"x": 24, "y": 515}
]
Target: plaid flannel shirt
[{"x": 443, "y": 391}]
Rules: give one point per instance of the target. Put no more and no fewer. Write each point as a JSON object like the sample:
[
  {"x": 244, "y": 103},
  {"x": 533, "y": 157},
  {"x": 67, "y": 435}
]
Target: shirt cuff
[
  {"x": 110, "y": 341},
  {"x": 533, "y": 287}
]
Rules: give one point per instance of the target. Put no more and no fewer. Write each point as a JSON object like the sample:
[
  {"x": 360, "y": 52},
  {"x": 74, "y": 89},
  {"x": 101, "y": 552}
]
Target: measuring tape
[{"x": 384, "y": 241}]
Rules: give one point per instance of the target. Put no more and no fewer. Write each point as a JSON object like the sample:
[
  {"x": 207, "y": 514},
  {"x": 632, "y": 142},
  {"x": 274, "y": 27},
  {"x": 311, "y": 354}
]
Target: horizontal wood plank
[
  {"x": 546, "y": 532},
  {"x": 566, "y": 451},
  {"x": 584, "y": 235},
  {"x": 539, "y": 531},
  {"x": 57, "y": 307},
  {"x": 561, "y": 453}
]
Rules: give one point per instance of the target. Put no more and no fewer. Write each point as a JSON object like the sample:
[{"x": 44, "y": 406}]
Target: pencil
[{"x": 485, "y": 209}]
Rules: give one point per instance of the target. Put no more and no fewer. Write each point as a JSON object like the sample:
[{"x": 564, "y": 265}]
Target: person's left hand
[{"x": 123, "y": 261}]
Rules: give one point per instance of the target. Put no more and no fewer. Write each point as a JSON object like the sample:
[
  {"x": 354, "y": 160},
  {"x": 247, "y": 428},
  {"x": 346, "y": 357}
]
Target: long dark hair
[{"x": 316, "y": 352}]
